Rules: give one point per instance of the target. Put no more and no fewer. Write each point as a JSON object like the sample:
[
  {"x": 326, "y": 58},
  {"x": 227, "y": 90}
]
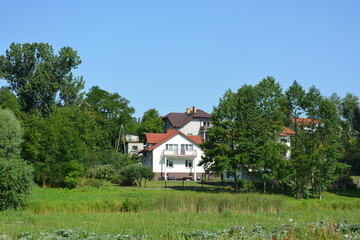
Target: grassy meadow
[{"x": 159, "y": 212}]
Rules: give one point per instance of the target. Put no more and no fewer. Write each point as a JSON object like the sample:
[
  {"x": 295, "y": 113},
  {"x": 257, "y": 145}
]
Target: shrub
[
  {"x": 15, "y": 184},
  {"x": 91, "y": 182},
  {"x": 75, "y": 170},
  {"x": 10, "y": 135},
  {"x": 137, "y": 172},
  {"x": 102, "y": 172}
]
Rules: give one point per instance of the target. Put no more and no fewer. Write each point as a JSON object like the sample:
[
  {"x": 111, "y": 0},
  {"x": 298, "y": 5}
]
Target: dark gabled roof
[{"x": 180, "y": 119}]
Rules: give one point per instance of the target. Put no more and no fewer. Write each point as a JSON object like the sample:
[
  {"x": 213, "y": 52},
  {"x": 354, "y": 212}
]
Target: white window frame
[
  {"x": 169, "y": 163},
  {"x": 189, "y": 163}
]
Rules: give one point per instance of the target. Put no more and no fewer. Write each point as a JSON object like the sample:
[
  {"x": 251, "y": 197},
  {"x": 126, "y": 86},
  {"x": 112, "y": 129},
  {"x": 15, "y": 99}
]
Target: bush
[
  {"x": 91, "y": 182},
  {"x": 16, "y": 181},
  {"x": 72, "y": 178},
  {"x": 102, "y": 172},
  {"x": 137, "y": 172},
  {"x": 10, "y": 135}
]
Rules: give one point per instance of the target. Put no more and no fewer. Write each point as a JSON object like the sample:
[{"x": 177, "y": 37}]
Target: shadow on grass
[{"x": 349, "y": 193}]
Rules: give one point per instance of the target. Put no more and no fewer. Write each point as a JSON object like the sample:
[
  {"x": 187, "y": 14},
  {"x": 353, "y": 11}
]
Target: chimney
[
  {"x": 170, "y": 130},
  {"x": 194, "y": 109},
  {"x": 188, "y": 111}
]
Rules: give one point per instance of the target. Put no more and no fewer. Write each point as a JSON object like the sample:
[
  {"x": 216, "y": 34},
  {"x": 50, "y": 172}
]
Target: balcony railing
[
  {"x": 204, "y": 128},
  {"x": 179, "y": 152}
]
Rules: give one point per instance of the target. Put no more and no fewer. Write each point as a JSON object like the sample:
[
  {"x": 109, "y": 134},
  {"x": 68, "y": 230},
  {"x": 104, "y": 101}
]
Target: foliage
[
  {"x": 38, "y": 76},
  {"x": 15, "y": 184},
  {"x": 74, "y": 172},
  {"x": 115, "y": 111},
  {"x": 151, "y": 122},
  {"x": 8, "y": 100},
  {"x": 10, "y": 135},
  {"x": 101, "y": 172},
  {"x": 55, "y": 143},
  {"x": 137, "y": 172}
]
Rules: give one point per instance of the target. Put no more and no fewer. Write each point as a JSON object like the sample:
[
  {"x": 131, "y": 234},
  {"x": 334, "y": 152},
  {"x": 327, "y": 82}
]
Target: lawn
[{"x": 156, "y": 211}]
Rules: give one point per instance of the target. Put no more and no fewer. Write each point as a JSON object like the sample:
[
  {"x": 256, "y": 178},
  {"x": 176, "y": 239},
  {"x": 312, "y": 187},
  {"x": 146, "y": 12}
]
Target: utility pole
[{"x": 121, "y": 133}]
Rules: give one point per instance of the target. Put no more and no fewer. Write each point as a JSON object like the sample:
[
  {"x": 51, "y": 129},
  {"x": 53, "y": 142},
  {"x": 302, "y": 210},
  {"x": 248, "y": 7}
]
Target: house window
[
  {"x": 171, "y": 146},
  {"x": 188, "y": 163},
  {"x": 187, "y": 147},
  {"x": 135, "y": 148},
  {"x": 189, "y": 134},
  {"x": 169, "y": 163}
]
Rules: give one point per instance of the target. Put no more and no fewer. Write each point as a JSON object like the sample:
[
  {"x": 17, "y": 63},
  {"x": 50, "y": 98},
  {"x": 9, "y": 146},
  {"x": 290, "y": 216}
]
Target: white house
[
  {"x": 192, "y": 122},
  {"x": 133, "y": 144},
  {"x": 173, "y": 155}
]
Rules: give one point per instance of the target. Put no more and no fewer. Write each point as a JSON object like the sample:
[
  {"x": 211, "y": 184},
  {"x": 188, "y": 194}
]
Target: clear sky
[{"x": 171, "y": 55}]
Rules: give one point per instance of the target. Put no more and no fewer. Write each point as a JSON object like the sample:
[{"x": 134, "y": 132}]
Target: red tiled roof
[
  {"x": 306, "y": 121},
  {"x": 180, "y": 119},
  {"x": 285, "y": 131},
  {"x": 159, "y": 138}
]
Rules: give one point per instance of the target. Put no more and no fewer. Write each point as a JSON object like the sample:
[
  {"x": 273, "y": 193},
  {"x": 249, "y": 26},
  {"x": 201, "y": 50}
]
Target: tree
[
  {"x": 151, "y": 122},
  {"x": 15, "y": 174},
  {"x": 8, "y": 100},
  {"x": 329, "y": 152},
  {"x": 270, "y": 100},
  {"x": 58, "y": 145},
  {"x": 219, "y": 150},
  {"x": 313, "y": 102},
  {"x": 115, "y": 111},
  {"x": 296, "y": 106},
  {"x": 10, "y": 135},
  {"x": 38, "y": 76},
  {"x": 137, "y": 172},
  {"x": 237, "y": 138},
  {"x": 16, "y": 181}
]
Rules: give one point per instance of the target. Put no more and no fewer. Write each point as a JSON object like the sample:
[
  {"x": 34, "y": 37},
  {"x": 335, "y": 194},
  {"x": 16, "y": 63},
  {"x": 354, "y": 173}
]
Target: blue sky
[{"x": 171, "y": 55}]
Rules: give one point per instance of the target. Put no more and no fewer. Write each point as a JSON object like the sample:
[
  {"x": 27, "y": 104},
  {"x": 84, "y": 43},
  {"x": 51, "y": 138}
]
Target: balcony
[
  {"x": 180, "y": 153},
  {"x": 204, "y": 128}
]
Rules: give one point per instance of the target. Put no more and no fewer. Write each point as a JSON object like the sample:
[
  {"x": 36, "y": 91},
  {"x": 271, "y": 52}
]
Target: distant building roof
[
  {"x": 159, "y": 138},
  {"x": 180, "y": 119},
  {"x": 286, "y": 131},
  {"x": 306, "y": 121}
]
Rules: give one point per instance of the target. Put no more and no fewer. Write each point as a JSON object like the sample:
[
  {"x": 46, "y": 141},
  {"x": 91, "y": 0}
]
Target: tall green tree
[
  {"x": 328, "y": 165},
  {"x": 220, "y": 151},
  {"x": 10, "y": 135},
  {"x": 115, "y": 111},
  {"x": 39, "y": 78},
  {"x": 151, "y": 122},
  {"x": 270, "y": 99},
  {"x": 15, "y": 174},
  {"x": 296, "y": 106},
  {"x": 313, "y": 101}
]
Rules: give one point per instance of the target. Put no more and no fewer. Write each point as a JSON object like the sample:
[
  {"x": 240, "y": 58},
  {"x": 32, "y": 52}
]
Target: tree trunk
[
  {"x": 253, "y": 181},
  {"x": 248, "y": 177},
  {"x": 344, "y": 185},
  {"x": 320, "y": 192},
  {"x": 264, "y": 186},
  {"x": 236, "y": 184},
  {"x": 312, "y": 184}
]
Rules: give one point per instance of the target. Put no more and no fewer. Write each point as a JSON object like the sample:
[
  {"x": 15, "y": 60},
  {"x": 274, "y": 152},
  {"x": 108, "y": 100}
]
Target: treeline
[
  {"x": 245, "y": 137},
  {"x": 67, "y": 133}
]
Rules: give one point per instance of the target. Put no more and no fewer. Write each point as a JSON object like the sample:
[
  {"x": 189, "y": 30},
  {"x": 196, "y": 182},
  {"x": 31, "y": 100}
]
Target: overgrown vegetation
[{"x": 176, "y": 213}]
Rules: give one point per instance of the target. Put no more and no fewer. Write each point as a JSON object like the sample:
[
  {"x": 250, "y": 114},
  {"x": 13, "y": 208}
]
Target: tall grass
[{"x": 157, "y": 212}]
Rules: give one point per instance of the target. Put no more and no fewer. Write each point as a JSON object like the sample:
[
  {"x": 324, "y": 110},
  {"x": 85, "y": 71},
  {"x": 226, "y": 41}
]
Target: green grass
[{"x": 136, "y": 211}]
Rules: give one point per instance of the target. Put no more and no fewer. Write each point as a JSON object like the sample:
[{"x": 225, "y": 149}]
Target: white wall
[
  {"x": 193, "y": 126},
  {"x": 179, "y": 162}
]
